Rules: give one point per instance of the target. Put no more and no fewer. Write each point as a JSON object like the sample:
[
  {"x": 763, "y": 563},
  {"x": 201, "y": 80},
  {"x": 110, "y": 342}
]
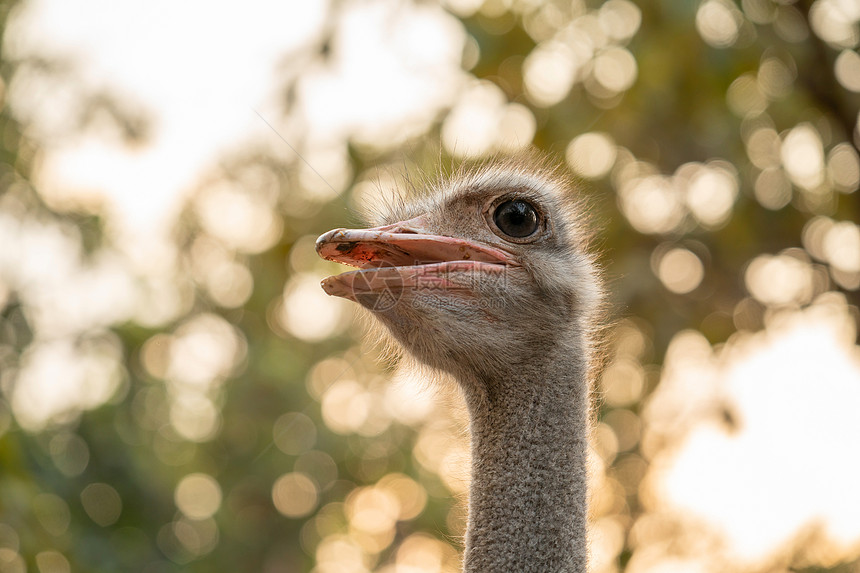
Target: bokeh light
[
  {"x": 835, "y": 22},
  {"x": 307, "y": 313},
  {"x": 652, "y": 203},
  {"x": 711, "y": 191},
  {"x": 52, "y": 562},
  {"x": 54, "y": 515},
  {"x": 483, "y": 121},
  {"x": 781, "y": 279},
  {"x": 295, "y": 494},
  {"x": 59, "y": 379},
  {"x": 177, "y": 392},
  {"x": 680, "y": 270},
  {"x": 773, "y": 189},
  {"x": 198, "y": 496},
  {"x": 745, "y": 97},
  {"x": 847, "y": 69},
  {"x": 803, "y": 156},
  {"x": 615, "y": 69},
  {"x": 843, "y": 167},
  {"x": 718, "y": 22},
  {"x": 294, "y": 433},
  {"x": 102, "y": 503},
  {"x": 70, "y": 454},
  {"x": 591, "y": 155},
  {"x": 234, "y": 218},
  {"x": 549, "y": 73},
  {"x": 12, "y": 561}
]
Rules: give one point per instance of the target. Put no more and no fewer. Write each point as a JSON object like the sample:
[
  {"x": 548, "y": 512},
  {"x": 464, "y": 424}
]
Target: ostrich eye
[{"x": 516, "y": 218}]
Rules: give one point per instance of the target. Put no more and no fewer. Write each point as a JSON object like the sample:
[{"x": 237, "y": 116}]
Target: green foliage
[{"x": 143, "y": 441}]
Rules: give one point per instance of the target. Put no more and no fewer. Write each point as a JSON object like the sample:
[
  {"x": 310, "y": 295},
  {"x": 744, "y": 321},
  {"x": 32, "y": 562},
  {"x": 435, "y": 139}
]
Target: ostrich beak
[{"x": 402, "y": 256}]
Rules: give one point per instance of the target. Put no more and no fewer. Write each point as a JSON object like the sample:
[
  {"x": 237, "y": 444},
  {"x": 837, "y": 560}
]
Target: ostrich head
[
  {"x": 486, "y": 277},
  {"x": 479, "y": 275}
]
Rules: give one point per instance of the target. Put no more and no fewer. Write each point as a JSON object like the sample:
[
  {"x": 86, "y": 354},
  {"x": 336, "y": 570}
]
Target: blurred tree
[{"x": 221, "y": 413}]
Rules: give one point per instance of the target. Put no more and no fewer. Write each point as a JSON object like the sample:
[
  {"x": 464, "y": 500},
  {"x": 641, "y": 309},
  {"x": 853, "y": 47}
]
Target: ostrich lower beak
[{"x": 403, "y": 256}]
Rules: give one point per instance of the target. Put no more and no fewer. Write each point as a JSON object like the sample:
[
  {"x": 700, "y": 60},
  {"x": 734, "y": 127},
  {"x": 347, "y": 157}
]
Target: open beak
[{"x": 403, "y": 256}]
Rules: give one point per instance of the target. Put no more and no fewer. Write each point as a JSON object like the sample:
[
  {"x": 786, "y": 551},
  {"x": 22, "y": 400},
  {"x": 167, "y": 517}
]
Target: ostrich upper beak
[{"x": 403, "y": 256}]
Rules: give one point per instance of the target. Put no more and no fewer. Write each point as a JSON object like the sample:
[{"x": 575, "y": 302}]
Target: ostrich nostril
[{"x": 415, "y": 226}]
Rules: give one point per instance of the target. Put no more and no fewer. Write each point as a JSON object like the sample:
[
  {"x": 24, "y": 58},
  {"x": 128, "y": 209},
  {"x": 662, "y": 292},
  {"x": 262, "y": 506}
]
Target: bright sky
[
  {"x": 198, "y": 69},
  {"x": 210, "y": 79},
  {"x": 783, "y": 468},
  {"x": 201, "y": 71}
]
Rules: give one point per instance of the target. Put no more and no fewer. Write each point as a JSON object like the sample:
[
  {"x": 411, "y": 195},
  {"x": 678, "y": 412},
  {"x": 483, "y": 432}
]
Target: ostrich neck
[{"x": 528, "y": 502}]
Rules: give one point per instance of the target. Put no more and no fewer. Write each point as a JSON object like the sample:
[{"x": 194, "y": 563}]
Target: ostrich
[{"x": 486, "y": 277}]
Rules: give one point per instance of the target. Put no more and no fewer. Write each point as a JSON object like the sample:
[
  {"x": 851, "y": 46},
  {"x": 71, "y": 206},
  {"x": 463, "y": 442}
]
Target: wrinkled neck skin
[{"x": 528, "y": 500}]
